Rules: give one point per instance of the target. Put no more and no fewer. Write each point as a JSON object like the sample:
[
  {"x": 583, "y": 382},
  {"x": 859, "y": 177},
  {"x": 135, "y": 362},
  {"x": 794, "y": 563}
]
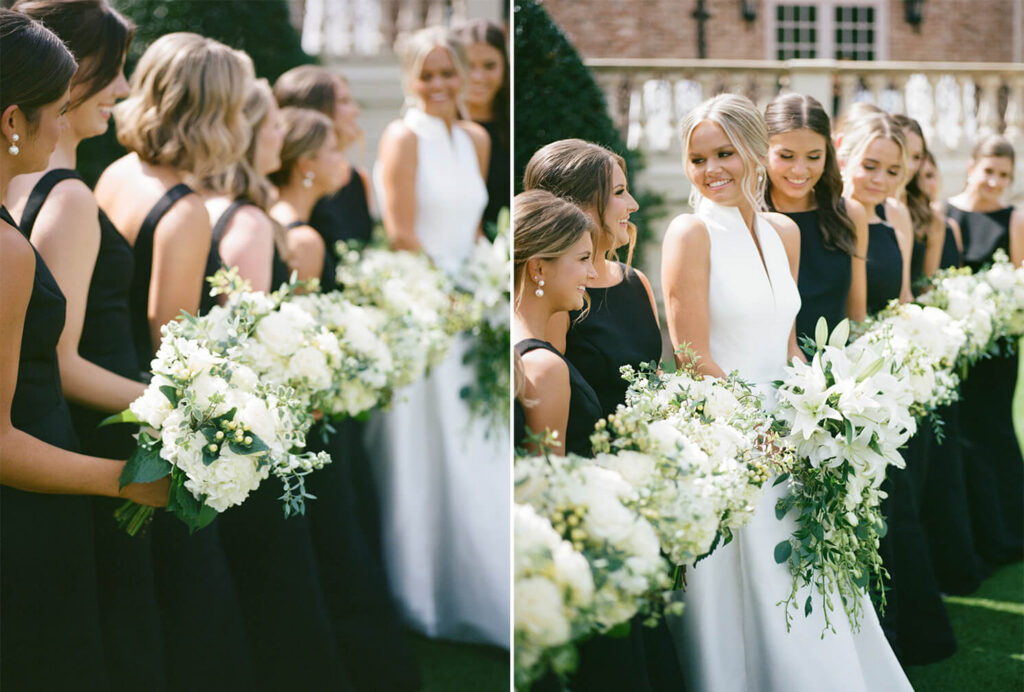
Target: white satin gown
[
  {"x": 442, "y": 478},
  {"x": 732, "y": 635}
]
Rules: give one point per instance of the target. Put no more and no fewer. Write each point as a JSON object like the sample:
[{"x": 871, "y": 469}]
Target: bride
[{"x": 729, "y": 276}]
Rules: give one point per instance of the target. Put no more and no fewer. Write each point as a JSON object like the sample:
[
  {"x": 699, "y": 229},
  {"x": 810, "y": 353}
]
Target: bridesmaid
[
  {"x": 553, "y": 265},
  {"x": 804, "y": 183},
  {"x": 945, "y": 508},
  {"x": 311, "y": 166},
  {"x": 272, "y": 560},
  {"x": 487, "y": 102},
  {"x": 348, "y": 213},
  {"x": 238, "y": 199},
  {"x": 182, "y": 122},
  {"x": 50, "y": 632},
  {"x": 874, "y": 155},
  {"x": 928, "y": 229},
  {"x": 92, "y": 264},
  {"x": 620, "y": 328},
  {"x": 991, "y": 452}
]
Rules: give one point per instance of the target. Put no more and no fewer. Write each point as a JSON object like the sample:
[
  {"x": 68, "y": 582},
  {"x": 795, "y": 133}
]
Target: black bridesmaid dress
[
  {"x": 584, "y": 407},
  {"x": 499, "y": 178},
  {"x": 129, "y": 617},
  {"x": 945, "y": 510},
  {"x": 274, "y": 567},
  {"x": 995, "y": 477},
  {"x": 345, "y": 215},
  {"x": 50, "y": 634},
  {"x": 620, "y": 329},
  {"x": 915, "y": 619},
  {"x": 824, "y": 277},
  {"x": 279, "y": 272},
  {"x": 205, "y": 644}
]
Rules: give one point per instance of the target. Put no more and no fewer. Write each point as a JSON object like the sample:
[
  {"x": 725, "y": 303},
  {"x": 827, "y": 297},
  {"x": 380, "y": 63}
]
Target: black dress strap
[
  {"x": 39, "y": 194},
  {"x": 225, "y": 219},
  {"x": 6, "y": 216},
  {"x": 295, "y": 224}
]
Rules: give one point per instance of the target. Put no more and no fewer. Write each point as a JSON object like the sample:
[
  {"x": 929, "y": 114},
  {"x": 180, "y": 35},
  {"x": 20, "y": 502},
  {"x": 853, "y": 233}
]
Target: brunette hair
[
  {"x": 306, "y": 131},
  {"x": 95, "y": 33},
  {"x": 241, "y": 179},
  {"x": 482, "y": 30},
  {"x": 744, "y": 126},
  {"x": 994, "y": 145},
  {"x": 790, "y": 112},
  {"x": 544, "y": 227},
  {"x": 307, "y": 86},
  {"x": 185, "y": 107},
  {"x": 35, "y": 66},
  {"x": 580, "y": 172},
  {"x": 918, "y": 204}
]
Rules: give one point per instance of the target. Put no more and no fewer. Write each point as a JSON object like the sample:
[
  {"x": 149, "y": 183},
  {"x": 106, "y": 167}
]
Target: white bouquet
[
  {"x": 553, "y": 593},
  {"x": 848, "y": 413}
]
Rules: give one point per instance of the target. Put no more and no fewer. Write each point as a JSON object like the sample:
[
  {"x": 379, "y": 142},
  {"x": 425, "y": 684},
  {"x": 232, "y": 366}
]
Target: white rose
[
  {"x": 540, "y": 611},
  {"x": 153, "y": 406}
]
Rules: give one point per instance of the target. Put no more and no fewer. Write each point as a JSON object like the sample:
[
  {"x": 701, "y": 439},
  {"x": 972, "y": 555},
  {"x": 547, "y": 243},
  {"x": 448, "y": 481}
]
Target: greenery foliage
[
  {"x": 557, "y": 98},
  {"x": 261, "y": 28}
]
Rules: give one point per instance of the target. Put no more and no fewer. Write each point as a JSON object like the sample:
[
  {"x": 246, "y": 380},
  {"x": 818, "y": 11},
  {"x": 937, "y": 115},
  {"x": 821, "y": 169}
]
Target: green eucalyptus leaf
[
  {"x": 782, "y": 552},
  {"x": 171, "y": 393},
  {"x": 807, "y": 607},
  {"x": 144, "y": 466}
]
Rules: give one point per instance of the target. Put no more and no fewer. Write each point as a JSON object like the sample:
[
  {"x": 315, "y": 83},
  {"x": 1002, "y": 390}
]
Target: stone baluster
[
  {"x": 929, "y": 125},
  {"x": 707, "y": 80},
  {"x": 849, "y": 83},
  {"x": 608, "y": 83},
  {"x": 899, "y": 85},
  {"x": 637, "y": 118},
  {"x": 959, "y": 134},
  {"x": 877, "y": 83},
  {"x": 988, "y": 108},
  {"x": 765, "y": 82},
  {"x": 1015, "y": 112}
]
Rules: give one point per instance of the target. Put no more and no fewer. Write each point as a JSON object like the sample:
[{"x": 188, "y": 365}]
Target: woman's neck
[
  {"x": 971, "y": 200},
  {"x": 789, "y": 204},
  {"x": 481, "y": 112},
  {"x": 298, "y": 200},
  {"x": 65, "y": 155},
  {"x": 531, "y": 318}
]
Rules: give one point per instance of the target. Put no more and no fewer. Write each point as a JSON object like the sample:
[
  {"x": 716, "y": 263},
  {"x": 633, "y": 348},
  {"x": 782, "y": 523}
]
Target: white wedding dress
[
  {"x": 732, "y": 634},
  {"x": 442, "y": 478}
]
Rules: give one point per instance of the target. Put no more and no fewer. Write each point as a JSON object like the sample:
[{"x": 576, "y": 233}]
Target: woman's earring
[
  {"x": 13, "y": 149},
  {"x": 307, "y": 180},
  {"x": 540, "y": 290}
]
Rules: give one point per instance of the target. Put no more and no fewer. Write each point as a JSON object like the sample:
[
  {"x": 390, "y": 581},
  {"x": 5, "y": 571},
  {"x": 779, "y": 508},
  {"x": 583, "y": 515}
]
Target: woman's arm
[
  {"x": 547, "y": 388},
  {"x": 857, "y": 300},
  {"x": 67, "y": 235},
  {"x": 650, "y": 294},
  {"x": 248, "y": 243},
  {"x": 26, "y": 462},
  {"x": 934, "y": 240},
  {"x": 685, "y": 272},
  {"x": 398, "y": 161},
  {"x": 1017, "y": 237},
  {"x": 899, "y": 217},
  {"x": 789, "y": 233},
  {"x": 306, "y": 251},
  {"x": 181, "y": 246},
  {"x": 482, "y": 143}
]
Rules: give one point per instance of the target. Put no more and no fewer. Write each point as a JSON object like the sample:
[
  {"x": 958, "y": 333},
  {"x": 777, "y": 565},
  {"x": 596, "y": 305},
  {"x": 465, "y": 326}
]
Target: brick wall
[{"x": 953, "y": 30}]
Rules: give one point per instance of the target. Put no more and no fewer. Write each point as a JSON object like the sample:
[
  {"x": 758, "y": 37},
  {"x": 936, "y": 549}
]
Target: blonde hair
[
  {"x": 415, "y": 48},
  {"x": 241, "y": 179},
  {"x": 185, "y": 106},
  {"x": 581, "y": 172},
  {"x": 744, "y": 126},
  {"x": 858, "y": 134},
  {"x": 545, "y": 227},
  {"x": 306, "y": 131}
]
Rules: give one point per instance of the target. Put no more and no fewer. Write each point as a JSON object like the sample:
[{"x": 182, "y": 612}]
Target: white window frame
[{"x": 826, "y": 25}]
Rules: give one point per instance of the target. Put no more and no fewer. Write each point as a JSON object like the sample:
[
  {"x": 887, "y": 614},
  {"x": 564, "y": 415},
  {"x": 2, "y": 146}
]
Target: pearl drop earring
[
  {"x": 540, "y": 290},
  {"x": 307, "y": 180},
  {"x": 13, "y": 149}
]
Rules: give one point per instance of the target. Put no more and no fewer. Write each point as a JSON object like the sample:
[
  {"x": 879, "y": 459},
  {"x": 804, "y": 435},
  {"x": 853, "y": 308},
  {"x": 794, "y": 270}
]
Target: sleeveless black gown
[
  {"x": 824, "y": 277},
  {"x": 621, "y": 329},
  {"x": 499, "y": 179},
  {"x": 204, "y": 637},
  {"x": 915, "y": 619},
  {"x": 274, "y": 567},
  {"x": 945, "y": 510},
  {"x": 584, "y": 407},
  {"x": 991, "y": 453},
  {"x": 124, "y": 565},
  {"x": 345, "y": 215},
  {"x": 50, "y": 635}
]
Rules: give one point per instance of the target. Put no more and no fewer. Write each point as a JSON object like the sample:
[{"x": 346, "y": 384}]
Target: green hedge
[
  {"x": 261, "y": 28},
  {"x": 557, "y": 98}
]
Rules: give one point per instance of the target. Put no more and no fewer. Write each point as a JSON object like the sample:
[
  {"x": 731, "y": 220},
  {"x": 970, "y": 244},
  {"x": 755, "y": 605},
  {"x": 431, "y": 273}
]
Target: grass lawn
[
  {"x": 989, "y": 626},
  {"x": 451, "y": 667}
]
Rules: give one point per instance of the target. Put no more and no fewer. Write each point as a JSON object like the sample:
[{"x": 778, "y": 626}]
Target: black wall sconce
[
  {"x": 748, "y": 10},
  {"x": 913, "y": 12}
]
